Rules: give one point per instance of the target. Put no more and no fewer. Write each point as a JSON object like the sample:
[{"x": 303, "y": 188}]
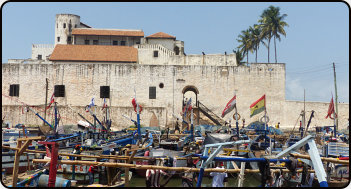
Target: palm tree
[
  {"x": 272, "y": 25},
  {"x": 256, "y": 37},
  {"x": 246, "y": 44},
  {"x": 239, "y": 56}
]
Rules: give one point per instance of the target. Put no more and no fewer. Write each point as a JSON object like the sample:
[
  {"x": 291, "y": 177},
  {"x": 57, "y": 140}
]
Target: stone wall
[
  {"x": 216, "y": 85},
  {"x": 44, "y": 50}
]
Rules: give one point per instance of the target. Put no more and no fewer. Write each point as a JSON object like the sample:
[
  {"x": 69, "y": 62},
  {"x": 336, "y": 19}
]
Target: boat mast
[
  {"x": 46, "y": 99},
  {"x": 336, "y": 100},
  {"x": 304, "y": 113}
]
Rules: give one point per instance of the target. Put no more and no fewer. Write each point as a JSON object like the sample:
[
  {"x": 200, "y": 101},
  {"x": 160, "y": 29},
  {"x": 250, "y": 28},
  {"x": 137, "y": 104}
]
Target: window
[
  {"x": 155, "y": 53},
  {"x": 69, "y": 27},
  {"x": 161, "y": 85},
  {"x": 176, "y": 50},
  {"x": 95, "y": 42},
  {"x": 138, "y": 42},
  {"x": 64, "y": 25},
  {"x": 104, "y": 91},
  {"x": 123, "y": 43},
  {"x": 59, "y": 91},
  {"x": 39, "y": 56},
  {"x": 56, "y": 25},
  {"x": 86, "y": 42},
  {"x": 152, "y": 92},
  {"x": 115, "y": 43},
  {"x": 14, "y": 90},
  {"x": 75, "y": 25},
  {"x": 69, "y": 39},
  {"x": 58, "y": 39}
]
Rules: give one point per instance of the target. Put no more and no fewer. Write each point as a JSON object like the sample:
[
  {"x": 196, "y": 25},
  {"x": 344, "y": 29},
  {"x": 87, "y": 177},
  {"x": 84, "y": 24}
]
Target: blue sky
[{"x": 317, "y": 36}]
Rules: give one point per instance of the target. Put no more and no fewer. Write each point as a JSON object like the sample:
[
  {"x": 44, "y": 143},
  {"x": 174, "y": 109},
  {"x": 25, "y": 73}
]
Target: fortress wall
[
  {"x": 292, "y": 109},
  {"x": 216, "y": 85}
]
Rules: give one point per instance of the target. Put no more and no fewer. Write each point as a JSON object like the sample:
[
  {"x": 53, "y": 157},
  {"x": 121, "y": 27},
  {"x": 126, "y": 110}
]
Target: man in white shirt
[{"x": 218, "y": 177}]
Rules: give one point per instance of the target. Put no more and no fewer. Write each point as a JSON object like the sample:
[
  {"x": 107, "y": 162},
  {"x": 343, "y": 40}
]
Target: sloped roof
[
  {"x": 161, "y": 35},
  {"x": 109, "y": 32},
  {"x": 94, "y": 53}
]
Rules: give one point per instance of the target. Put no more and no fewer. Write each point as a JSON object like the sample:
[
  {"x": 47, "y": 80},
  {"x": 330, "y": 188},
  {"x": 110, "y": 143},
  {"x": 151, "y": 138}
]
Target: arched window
[{"x": 64, "y": 25}]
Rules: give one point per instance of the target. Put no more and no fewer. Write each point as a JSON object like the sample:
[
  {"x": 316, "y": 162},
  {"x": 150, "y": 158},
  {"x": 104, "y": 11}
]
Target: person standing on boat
[
  {"x": 301, "y": 128},
  {"x": 91, "y": 171},
  {"x": 218, "y": 177},
  {"x": 147, "y": 137},
  {"x": 176, "y": 128},
  {"x": 188, "y": 177}
]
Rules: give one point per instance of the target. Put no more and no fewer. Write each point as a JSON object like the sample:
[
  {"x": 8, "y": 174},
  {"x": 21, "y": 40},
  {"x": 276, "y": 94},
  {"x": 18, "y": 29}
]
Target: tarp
[
  {"x": 259, "y": 127},
  {"x": 213, "y": 138}
]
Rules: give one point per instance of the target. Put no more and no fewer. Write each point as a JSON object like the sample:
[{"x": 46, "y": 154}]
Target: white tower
[{"x": 63, "y": 28}]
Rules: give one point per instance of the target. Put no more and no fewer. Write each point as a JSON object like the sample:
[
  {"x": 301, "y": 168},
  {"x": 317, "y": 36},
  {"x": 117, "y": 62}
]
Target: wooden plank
[
  {"x": 333, "y": 160},
  {"x": 31, "y": 138},
  {"x": 15, "y": 165},
  {"x": 24, "y": 147},
  {"x": 126, "y": 174}
]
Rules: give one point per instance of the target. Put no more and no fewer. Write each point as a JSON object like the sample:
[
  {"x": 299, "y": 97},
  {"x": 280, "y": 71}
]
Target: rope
[{"x": 295, "y": 125}]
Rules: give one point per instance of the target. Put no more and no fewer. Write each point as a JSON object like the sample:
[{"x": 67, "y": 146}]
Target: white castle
[{"x": 85, "y": 60}]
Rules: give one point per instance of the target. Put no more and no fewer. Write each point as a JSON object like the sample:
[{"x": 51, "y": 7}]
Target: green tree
[
  {"x": 255, "y": 34},
  {"x": 272, "y": 25},
  {"x": 245, "y": 43},
  {"x": 239, "y": 56}
]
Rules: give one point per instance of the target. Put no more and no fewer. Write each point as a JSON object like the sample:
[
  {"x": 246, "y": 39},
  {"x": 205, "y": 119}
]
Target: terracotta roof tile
[
  {"x": 90, "y": 31},
  {"x": 94, "y": 53},
  {"x": 161, "y": 35}
]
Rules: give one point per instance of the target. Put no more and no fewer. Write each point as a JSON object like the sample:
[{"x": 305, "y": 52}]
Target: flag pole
[
  {"x": 265, "y": 120},
  {"x": 265, "y": 123},
  {"x": 138, "y": 116},
  {"x": 334, "y": 121},
  {"x": 336, "y": 100},
  {"x": 236, "y": 121},
  {"x": 236, "y": 117},
  {"x": 192, "y": 125}
]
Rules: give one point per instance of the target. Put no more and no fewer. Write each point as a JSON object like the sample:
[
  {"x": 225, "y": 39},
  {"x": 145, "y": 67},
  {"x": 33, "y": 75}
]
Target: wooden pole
[
  {"x": 333, "y": 160},
  {"x": 126, "y": 173},
  {"x": 28, "y": 164},
  {"x": 15, "y": 165},
  {"x": 336, "y": 99},
  {"x": 46, "y": 100},
  {"x": 21, "y": 148},
  {"x": 132, "y": 166},
  {"x": 90, "y": 156}
]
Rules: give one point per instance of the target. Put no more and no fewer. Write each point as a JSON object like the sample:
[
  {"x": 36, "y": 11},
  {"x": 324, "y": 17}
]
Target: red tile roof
[
  {"x": 90, "y": 31},
  {"x": 161, "y": 35},
  {"x": 94, "y": 53}
]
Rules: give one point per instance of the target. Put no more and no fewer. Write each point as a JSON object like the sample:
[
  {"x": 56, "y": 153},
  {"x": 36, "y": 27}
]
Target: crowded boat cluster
[{"x": 92, "y": 154}]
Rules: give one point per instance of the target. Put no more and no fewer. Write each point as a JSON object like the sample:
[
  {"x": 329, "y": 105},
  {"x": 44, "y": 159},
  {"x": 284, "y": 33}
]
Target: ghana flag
[{"x": 258, "y": 106}]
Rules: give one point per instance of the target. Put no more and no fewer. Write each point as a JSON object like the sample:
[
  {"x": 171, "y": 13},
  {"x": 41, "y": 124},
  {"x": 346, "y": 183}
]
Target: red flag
[
  {"x": 52, "y": 100},
  {"x": 230, "y": 106},
  {"x": 331, "y": 110},
  {"x": 135, "y": 106}
]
